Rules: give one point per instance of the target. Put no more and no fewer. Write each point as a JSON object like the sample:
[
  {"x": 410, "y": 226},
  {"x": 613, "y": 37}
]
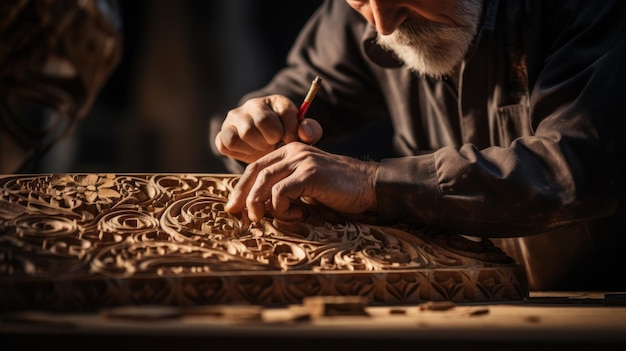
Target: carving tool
[{"x": 315, "y": 85}]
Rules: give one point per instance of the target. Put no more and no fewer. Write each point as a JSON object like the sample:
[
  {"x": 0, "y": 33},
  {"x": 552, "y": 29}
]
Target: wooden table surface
[{"x": 547, "y": 320}]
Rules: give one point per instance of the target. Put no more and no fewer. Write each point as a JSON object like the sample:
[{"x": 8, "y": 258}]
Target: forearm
[{"x": 499, "y": 192}]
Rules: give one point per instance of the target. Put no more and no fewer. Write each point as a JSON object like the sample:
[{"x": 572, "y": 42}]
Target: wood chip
[
  {"x": 437, "y": 306},
  {"x": 336, "y": 305}
]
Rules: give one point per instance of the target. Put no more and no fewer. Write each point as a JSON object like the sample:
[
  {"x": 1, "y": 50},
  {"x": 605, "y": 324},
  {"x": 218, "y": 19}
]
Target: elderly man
[{"x": 490, "y": 119}]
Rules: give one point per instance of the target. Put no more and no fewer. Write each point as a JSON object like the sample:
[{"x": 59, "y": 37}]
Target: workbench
[
  {"x": 546, "y": 320},
  {"x": 153, "y": 261}
]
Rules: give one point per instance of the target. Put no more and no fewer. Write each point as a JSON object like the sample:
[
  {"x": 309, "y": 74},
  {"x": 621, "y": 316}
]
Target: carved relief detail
[{"x": 85, "y": 241}]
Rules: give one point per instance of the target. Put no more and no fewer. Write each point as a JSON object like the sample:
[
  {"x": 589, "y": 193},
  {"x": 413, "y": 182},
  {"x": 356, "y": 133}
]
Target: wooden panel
[{"x": 79, "y": 242}]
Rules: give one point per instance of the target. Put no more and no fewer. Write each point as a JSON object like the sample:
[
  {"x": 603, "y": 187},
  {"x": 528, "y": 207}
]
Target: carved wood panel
[{"x": 80, "y": 242}]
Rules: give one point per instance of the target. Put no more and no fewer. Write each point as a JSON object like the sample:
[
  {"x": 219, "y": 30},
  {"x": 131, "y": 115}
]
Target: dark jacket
[{"x": 524, "y": 142}]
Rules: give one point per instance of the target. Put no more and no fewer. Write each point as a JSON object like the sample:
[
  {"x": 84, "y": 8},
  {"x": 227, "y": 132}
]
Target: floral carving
[{"x": 166, "y": 239}]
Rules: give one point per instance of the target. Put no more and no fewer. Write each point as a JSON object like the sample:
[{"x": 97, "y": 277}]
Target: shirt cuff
[{"x": 407, "y": 190}]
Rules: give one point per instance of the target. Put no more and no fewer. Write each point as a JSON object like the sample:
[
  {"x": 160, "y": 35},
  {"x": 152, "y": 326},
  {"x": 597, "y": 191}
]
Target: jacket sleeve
[{"x": 569, "y": 170}]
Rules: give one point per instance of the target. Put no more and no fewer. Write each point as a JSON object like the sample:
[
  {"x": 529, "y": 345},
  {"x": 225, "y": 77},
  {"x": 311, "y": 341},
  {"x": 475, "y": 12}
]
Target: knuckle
[
  {"x": 252, "y": 168},
  {"x": 229, "y": 138},
  {"x": 218, "y": 143},
  {"x": 265, "y": 174},
  {"x": 279, "y": 190},
  {"x": 246, "y": 132}
]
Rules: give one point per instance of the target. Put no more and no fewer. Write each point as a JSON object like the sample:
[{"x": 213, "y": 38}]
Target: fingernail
[{"x": 307, "y": 130}]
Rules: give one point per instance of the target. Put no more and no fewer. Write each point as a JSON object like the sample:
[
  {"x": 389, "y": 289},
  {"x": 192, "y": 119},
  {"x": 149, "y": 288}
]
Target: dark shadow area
[{"x": 182, "y": 62}]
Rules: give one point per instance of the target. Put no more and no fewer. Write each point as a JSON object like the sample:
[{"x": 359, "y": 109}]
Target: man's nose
[{"x": 387, "y": 15}]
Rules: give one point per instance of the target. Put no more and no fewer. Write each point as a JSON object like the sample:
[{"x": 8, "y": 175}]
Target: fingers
[
  {"x": 287, "y": 112},
  {"x": 257, "y": 127},
  {"x": 310, "y": 131},
  {"x": 277, "y": 181},
  {"x": 283, "y": 195},
  {"x": 229, "y": 143},
  {"x": 259, "y": 184},
  {"x": 270, "y": 179}
]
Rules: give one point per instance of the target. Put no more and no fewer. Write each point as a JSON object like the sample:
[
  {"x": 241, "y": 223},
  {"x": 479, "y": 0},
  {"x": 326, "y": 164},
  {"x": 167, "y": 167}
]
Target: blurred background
[{"x": 182, "y": 61}]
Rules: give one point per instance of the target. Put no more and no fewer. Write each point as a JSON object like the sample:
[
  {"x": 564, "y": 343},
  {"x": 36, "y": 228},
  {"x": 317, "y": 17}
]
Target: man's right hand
[{"x": 261, "y": 125}]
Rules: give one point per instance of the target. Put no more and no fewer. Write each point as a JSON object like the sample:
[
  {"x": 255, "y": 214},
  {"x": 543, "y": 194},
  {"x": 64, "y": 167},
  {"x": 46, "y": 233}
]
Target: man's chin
[{"x": 432, "y": 67}]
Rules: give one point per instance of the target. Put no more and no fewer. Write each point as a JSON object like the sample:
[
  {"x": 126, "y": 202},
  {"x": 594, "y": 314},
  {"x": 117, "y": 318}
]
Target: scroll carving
[{"x": 86, "y": 241}]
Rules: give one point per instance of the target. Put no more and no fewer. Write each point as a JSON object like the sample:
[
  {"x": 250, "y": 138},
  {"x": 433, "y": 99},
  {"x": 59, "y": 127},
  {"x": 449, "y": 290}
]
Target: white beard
[{"x": 431, "y": 48}]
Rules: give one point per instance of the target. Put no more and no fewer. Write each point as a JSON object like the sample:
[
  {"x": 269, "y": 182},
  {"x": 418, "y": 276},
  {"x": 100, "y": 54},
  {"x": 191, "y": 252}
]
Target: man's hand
[
  {"x": 261, "y": 125},
  {"x": 297, "y": 171}
]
